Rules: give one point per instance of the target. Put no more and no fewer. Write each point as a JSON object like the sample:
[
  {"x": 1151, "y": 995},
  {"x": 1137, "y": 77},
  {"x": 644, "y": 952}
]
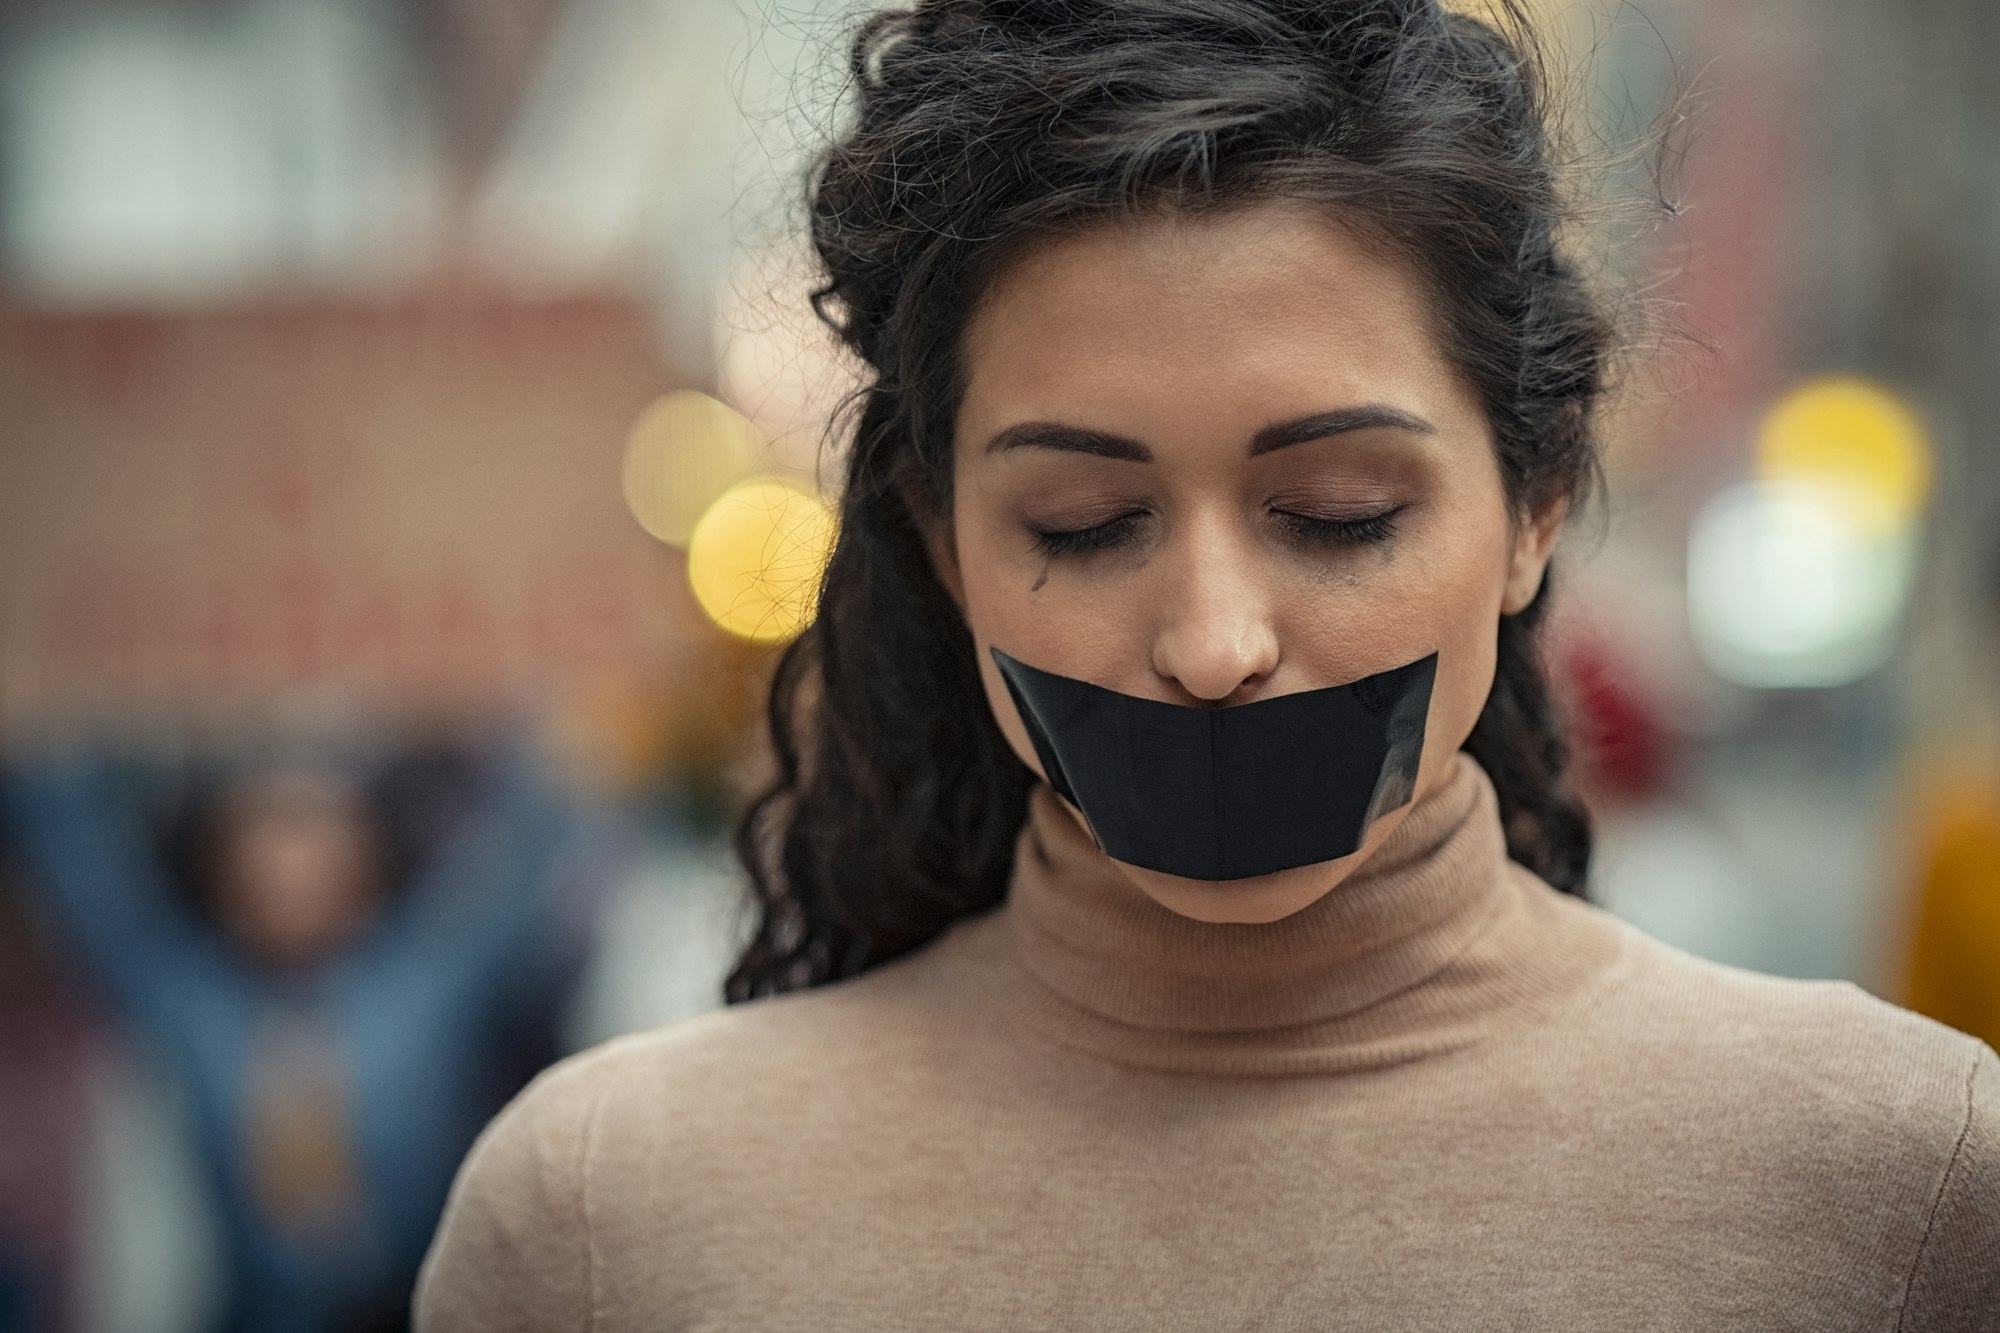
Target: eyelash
[{"x": 1329, "y": 531}]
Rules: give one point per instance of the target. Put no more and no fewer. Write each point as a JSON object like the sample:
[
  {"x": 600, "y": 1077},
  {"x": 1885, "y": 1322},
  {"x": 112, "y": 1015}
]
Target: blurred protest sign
[{"x": 411, "y": 506}]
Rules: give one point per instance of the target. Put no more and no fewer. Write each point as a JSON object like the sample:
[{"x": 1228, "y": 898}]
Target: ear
[{"x": 1534, "y": 542}]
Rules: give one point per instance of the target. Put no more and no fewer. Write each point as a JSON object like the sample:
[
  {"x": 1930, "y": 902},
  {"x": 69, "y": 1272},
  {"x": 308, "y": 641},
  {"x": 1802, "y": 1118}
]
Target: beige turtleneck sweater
[{"x": 1444, "y": 1096}]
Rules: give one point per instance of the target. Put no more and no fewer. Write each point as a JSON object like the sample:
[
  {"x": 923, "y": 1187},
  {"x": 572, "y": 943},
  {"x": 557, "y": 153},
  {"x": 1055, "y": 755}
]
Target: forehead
[{"x": 1241, "y": 315}]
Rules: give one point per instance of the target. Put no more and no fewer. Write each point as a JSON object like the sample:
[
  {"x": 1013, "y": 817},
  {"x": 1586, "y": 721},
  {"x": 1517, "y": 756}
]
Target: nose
[{"x": 1216, "y": 640}]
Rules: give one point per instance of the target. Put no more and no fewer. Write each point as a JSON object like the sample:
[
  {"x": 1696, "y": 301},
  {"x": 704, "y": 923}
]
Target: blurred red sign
[{"x": 408, "y": 506}]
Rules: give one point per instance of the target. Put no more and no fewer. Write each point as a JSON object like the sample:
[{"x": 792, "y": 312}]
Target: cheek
[
  {"x": 1463, "y": 616},
  {"x": 1441, "y": 589},
  {"x": 1001, "y": 610},
  {"x": 1465, "y": 678},
  {"x": 1007, "y": 716}
]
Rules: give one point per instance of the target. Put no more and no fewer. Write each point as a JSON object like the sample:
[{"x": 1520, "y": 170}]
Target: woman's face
[{"x": 1142, "y": 387}]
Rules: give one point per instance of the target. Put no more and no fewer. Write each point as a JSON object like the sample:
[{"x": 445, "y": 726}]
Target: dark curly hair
[{"x": 985, "y": 126}]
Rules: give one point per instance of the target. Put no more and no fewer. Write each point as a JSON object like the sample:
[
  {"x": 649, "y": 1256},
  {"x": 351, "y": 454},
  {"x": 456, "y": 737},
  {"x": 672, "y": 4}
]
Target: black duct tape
[{"x": 1226, "y": 793}]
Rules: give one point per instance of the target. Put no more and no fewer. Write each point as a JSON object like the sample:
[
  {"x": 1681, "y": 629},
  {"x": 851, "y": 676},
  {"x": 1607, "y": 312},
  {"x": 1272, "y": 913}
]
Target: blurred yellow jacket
[{"x": 1952, "y": 972}]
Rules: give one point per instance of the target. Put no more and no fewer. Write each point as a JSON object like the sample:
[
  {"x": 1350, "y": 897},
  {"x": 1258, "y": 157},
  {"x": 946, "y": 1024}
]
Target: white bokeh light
[{"x": 1786, "y": 589}]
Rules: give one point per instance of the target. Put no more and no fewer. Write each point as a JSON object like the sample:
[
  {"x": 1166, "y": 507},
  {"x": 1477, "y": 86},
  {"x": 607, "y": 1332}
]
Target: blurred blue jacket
[{"x": 417, "y": 1008}]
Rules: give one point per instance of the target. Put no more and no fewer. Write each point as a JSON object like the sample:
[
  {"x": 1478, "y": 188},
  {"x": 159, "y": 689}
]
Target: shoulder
[
  {"x": 1877, "y": 1125},
  {"x": 636, "y": 1125},
  {"x": 511, "y": 1250},
  {"x": 1955, "y": 1281},
  {"x": 1704, "y": 1033},
  {"x": 517, "y": 1245},
  {"x": 1822, "y": 1042}
]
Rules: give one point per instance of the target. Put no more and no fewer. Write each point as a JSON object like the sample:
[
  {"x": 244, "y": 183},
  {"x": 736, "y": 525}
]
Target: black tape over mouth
[{"x": 1228, "y": 793}]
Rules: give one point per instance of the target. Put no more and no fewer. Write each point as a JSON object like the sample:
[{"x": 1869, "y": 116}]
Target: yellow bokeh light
[
  {"x": 756, "y": 557},
  {"x": 1855, "y": 436},
  {"x": 685, "y": 449}
]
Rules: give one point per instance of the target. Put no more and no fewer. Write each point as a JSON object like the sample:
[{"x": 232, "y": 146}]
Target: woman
[{"x": 1230, "y": 393}]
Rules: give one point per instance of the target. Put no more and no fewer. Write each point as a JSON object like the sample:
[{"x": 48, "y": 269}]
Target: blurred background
[{"x": 411, "y": 468}]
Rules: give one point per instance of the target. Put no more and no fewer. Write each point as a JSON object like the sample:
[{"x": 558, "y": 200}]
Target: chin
[
  {"x": 1258, "y": 899},
  {"x": 1255, "y": 900}
]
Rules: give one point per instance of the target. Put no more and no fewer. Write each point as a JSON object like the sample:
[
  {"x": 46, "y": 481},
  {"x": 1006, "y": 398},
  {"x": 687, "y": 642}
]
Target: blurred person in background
[
  {"x": 44, "y": 1054},
  {"x": 348, "y": 973},
  {"x": 1951, "y": 970}
]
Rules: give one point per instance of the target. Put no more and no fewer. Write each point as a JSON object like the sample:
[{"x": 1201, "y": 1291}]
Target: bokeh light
[
  {"x": 683, "y": 452},
  {"x": 756, "y": 557},
  {"x": 1854, "y": 435},
  {"x": 1786, "y": 587}
]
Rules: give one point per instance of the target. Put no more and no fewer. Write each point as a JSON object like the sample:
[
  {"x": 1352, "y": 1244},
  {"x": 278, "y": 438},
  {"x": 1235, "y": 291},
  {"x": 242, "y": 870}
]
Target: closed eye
[
  {"x": 1071, "y": 541},
  {"x": 1114, "y": 532},
  {"x": 1342, "y": 531}
]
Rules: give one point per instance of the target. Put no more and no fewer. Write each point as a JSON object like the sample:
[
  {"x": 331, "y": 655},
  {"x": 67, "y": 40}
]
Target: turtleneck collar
[{"x": 1435, "y": 940}]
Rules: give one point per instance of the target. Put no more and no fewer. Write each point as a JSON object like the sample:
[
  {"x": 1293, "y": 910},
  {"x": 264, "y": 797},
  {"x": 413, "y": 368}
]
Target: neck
[{"x": 1431, "y": 941}]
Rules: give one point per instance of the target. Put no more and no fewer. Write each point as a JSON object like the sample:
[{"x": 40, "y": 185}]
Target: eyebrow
[{"x": 1318, "y": 426}]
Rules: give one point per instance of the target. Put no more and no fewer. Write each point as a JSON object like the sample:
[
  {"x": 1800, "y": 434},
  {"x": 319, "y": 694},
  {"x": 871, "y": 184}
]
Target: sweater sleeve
[
  {"x": 513, "y": 1248},
  {"x": 1955, "y": 1282}
]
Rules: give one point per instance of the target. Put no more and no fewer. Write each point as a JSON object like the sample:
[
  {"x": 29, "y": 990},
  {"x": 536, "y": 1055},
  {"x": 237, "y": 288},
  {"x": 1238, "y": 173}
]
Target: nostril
[
  {"x": 1248, "y": 689},
  {"x": 1208, "y": 666}
]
